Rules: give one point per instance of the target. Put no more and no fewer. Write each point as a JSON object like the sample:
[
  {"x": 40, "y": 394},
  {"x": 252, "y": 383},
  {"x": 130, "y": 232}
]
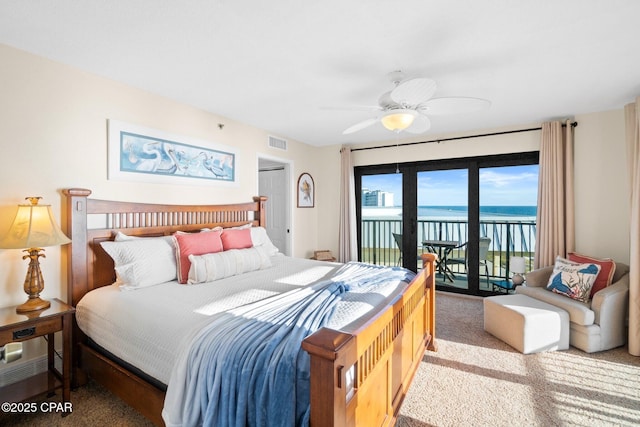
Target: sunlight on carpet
[
  {"x": 473, "y": 380},
  {"x": 476, "y": 380}
]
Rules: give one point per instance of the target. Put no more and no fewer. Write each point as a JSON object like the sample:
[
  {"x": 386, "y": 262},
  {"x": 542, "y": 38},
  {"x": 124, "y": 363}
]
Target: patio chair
[
  {"x": 398, "y": 238},
  {"x": 483, "y": 250}
]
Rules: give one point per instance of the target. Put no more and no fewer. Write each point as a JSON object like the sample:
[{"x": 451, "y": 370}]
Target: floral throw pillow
[{"x": 573, "y": 279}]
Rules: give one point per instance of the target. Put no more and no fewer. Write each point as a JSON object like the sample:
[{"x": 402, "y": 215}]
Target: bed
[{"x": 359, "y": 370}]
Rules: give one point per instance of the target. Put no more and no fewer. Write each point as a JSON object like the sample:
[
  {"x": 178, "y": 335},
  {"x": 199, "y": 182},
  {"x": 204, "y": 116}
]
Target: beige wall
[
  {"x": 54, "y": 135},
  {"x": 602, "y": 189}
]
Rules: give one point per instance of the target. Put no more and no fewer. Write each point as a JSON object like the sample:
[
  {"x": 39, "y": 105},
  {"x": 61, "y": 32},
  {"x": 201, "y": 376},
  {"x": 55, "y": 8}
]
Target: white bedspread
[{"x": 147, "y": 327}]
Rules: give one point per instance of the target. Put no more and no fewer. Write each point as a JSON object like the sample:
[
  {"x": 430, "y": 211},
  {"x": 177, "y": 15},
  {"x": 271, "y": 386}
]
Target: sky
[{"x": 499, "y": 186}]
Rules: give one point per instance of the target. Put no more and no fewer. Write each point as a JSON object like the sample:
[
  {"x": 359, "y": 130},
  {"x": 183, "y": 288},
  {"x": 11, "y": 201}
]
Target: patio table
[{"x": 442, "y": 248}]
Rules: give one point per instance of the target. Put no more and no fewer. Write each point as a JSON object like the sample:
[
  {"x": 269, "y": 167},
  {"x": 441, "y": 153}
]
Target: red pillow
[
  {"x": 234, "y": 238},
  {"x": 205, "y": 242},
  {"x": 607, "y": 268}
]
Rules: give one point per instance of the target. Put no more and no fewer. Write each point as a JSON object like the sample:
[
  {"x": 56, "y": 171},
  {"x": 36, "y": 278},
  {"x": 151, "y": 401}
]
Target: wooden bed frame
[{"x": 357, "y": 378}]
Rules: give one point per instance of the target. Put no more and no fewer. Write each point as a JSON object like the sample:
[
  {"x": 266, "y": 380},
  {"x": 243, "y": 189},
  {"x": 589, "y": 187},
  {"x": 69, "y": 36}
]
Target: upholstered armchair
[{"x": 597, "y": 325}]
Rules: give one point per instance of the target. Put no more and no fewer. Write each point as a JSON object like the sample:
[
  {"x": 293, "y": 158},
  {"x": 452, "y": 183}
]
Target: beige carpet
[
  {"x": 473, "y": 380},
  {"x": 476, "y": 380}
]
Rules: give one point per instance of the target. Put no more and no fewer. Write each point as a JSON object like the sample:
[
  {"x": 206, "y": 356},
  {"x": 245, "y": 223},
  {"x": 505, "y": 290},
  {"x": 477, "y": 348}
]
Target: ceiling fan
[{"x": 408, "y": 105}]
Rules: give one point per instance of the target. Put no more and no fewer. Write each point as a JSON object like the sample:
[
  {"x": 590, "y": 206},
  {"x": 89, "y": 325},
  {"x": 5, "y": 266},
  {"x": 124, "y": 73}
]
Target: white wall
[{"x": 602, "y": 189}]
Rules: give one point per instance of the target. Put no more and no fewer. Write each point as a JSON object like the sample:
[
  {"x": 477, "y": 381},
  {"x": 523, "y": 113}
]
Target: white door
[{"x": 273, "y": 184}]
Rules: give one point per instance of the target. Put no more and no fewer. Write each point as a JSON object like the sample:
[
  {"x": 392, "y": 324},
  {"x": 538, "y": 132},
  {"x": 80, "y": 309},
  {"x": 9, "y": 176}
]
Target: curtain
[
  {"x": 555, "y": 229},
  {"x": 347, "y": 239},
  {"x": 632, "y": 125}
]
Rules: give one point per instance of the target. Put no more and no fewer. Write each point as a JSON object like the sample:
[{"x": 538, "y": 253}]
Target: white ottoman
[{"x": 526, "y": 324}]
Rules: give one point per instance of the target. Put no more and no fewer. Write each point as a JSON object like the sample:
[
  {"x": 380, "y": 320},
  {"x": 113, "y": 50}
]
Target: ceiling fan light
[{"x": 398, "y": 120}]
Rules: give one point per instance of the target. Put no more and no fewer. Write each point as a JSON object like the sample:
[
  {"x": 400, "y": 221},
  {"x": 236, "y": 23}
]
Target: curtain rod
[{"x": 573, "y": 124}]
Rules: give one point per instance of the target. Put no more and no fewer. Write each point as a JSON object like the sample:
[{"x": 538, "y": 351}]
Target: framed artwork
[
  {"x": 141, "y": 154},
  {"x": 306, "y": 191}
]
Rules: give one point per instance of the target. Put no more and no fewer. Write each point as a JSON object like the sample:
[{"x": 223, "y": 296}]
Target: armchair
[{"x": 597, "y": 325}]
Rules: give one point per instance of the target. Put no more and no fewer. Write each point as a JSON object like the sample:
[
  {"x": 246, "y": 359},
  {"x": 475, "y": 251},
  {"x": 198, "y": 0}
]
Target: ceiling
[{"x": 284, "y": 65}]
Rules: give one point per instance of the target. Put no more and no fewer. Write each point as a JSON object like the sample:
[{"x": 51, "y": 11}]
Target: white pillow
[
  {"x": 121, "y": 237},
  {"x": 142, "y": 262},
  {"x": 259, "y": 237},
  {"x": 216, "y": 266},
  {"x": 210, "y": 229}
]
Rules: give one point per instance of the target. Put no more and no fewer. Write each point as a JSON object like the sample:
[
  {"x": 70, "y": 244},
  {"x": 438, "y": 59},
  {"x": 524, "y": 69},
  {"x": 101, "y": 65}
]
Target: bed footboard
[{"x": 361, "y": 378}]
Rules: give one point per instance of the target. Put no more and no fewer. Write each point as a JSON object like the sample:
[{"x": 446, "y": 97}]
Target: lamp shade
[
  {"x": 34, "y": 226},
  {"x": 517, "y": 264},
  {"x": 397, "y": 120}
]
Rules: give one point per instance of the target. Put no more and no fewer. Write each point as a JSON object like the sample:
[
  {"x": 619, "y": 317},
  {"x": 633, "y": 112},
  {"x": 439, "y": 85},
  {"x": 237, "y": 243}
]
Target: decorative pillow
[
  {"x": 194, "y": 244},
  {"x": 573, "y": 279},
  {"x": 607, "y": 269},
  {"x": 259, "y": 237},
  {"x": 210, "y": 267},
  {"x": 142, "y": 262},
  {"x": 236, "y": 238}
]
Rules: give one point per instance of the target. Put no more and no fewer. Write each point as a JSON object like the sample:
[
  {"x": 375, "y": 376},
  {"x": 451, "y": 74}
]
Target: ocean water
[
  {"x": 517, "y": 213},
  {"x": 520, "y": 212}
]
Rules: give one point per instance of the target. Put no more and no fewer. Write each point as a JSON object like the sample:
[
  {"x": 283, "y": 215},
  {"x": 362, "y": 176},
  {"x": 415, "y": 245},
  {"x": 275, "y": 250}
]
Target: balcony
[{"x": 508, "y": 238}]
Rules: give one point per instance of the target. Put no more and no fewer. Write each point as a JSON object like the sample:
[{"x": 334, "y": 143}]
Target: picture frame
[
  {"x": 141, "y": 154},
  {"x": 306, "y": 191}
]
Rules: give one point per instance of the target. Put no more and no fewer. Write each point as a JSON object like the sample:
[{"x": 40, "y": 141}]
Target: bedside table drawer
[{"x": 30, "y": 330}]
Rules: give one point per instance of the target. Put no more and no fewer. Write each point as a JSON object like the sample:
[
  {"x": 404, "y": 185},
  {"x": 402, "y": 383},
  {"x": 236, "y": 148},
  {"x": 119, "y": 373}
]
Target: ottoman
[{"x": 526, "y": 324}]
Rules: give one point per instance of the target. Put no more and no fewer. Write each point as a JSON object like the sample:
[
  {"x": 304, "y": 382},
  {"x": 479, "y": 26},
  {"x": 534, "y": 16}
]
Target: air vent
[
  {"x": 280, "y": 144},
  {"x": 22, "y": 369}
]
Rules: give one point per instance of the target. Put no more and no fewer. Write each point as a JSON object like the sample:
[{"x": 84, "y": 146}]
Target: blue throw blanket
[{"x": 247, "y": 368}]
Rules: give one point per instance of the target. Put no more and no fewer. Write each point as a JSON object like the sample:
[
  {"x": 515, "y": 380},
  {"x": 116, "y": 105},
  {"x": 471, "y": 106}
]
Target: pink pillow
[
  {"x": 206, "y": 242},
  {"x": 607, "y": 268},
  {"x": 234, "y": 238}
]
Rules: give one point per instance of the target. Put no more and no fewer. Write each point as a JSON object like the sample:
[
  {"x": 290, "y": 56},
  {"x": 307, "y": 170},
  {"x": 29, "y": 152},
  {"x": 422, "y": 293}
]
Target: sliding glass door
[
  {"x": 381, "y": 218},
  {"x": 508, "y": 199},
  {"x": 473, "y": 213},
  {"x": 443, "y": 216}
]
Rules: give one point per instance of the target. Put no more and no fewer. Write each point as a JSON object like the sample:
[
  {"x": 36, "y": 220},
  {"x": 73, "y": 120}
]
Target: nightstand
[{"x": 16, "y": 327}]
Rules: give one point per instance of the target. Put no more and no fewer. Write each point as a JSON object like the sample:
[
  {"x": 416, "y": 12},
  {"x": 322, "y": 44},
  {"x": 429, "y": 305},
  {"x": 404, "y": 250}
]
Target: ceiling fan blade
[
  {"x": 359, "y": 126},
  {"x": 453, "y": 105},
  {"x": 414, "y": 91},
  {"x": 420, "y": 124}
]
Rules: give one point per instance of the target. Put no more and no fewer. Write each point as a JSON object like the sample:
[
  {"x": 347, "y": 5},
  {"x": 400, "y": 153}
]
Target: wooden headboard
[{"x": 90, "y": 221}]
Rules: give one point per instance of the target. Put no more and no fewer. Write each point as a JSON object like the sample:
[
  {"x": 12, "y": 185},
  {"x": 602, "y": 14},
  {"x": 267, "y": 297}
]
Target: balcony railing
[{"x": 508, "y": 238}]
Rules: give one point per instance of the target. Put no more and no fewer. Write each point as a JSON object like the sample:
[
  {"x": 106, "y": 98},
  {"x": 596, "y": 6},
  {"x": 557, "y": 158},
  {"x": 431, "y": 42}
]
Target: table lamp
[
  {"x": 517, "y": 267},
  {"x": 33, "y": 228}
]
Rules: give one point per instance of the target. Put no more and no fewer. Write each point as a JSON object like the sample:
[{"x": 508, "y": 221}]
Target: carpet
[{"x": 472, "y": 380}]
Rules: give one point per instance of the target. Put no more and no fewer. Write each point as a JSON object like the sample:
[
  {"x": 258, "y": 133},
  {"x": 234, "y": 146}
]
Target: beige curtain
[
  {"x": 555, "y": 229},
  {"x": 632, "y": 124},
  {"x": 347, "y": 240}
]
